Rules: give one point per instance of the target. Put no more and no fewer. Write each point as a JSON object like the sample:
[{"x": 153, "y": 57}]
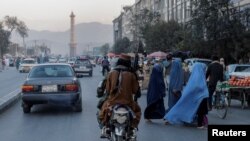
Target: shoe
[
  {"x": 166, "y": 122},
  {"x": 104, "y": 133},
  {"x": 133, "y": 133}
]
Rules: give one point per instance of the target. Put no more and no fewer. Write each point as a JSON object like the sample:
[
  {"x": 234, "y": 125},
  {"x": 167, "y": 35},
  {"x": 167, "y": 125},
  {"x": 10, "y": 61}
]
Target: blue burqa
[
  {"x": 156, "y": 92},
  {"x": 176, "y": 82},
  {"x": 195, "y": 91}
]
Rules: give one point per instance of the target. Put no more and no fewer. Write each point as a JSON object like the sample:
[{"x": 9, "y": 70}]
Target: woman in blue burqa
[
  {"x": 176, "y": 83},
  {"x": 193, "y": 101},
  {"x": 156, "y": 92}
]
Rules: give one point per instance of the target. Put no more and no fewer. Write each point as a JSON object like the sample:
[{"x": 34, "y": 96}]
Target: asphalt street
[
  {"x": 57, "y": 123},
  {"x": 10, "y": 81}
]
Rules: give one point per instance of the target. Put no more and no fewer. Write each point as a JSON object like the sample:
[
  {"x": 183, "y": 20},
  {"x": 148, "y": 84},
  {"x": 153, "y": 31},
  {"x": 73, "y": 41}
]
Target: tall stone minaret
[{"x": 72, "y": 43}]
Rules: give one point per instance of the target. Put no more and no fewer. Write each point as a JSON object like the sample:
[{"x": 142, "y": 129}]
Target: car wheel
[
  {"x": 20, "y": 71},
  {"x": 78, "y": 106},
  {"x": 26, "y": 108}
]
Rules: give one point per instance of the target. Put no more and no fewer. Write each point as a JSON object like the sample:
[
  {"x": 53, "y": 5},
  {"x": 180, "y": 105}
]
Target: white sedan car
[
  {"x": 239, "y": 70},
  {"x": 27, "y": 64}
]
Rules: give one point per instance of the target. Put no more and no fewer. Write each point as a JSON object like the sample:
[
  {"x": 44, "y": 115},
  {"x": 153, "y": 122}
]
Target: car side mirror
[{"x": 79, "y": 75}]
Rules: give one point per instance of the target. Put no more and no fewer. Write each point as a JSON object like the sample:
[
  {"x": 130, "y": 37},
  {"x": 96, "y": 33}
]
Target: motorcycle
[
  {"x": 120, "y": 119},
  {"x": 119, "y": 125}
]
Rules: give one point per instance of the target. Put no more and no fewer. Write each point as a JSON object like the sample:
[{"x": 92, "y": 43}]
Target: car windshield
[
  {"x": 83, "y": 62},
  {"x": 28, "y": 62},
  {"x": 242, "y": 69},
  {"x": 51, "y": 71},
  {"x": 231, "y": 68}
]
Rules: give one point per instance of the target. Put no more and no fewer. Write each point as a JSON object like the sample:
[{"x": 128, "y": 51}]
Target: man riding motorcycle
[
  {"x": 105, "y": 66},
  {"x": 122, "y": 87}
]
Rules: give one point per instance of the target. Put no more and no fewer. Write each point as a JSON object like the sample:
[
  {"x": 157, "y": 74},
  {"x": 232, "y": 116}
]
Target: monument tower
[{"x": 72, "y": 44}]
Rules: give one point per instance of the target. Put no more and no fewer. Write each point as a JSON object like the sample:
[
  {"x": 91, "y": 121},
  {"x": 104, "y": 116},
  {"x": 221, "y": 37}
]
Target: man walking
[
  {"x": 105, "y": 66},
  {"x": 214, "y": 74}
]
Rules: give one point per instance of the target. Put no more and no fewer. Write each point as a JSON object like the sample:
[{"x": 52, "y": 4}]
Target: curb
[{"x": 9, "y": 99}]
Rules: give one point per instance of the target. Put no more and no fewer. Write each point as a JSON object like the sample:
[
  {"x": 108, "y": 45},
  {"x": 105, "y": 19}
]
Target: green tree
[
  {"x": 13, "y": 23},
  {"x": 4, "y": 40},
  {"x": 140, "y": 22},
  {"x": 163, "y": 36},
  {"x": 104, "y": 49},
  {"x": 121, "y": 46},
  {"x": 219, "y": 24},
  {"x": 22, "y": 30}
]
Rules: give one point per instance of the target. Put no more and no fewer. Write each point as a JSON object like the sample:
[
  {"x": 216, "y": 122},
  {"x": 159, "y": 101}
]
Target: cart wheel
[{"x": 243, "y": 101}]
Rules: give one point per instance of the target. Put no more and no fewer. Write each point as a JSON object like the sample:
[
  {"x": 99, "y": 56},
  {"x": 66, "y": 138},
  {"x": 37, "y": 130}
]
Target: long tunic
[
  {"x": 124, "y": 95},
  {"x": 156, "y": 92}
]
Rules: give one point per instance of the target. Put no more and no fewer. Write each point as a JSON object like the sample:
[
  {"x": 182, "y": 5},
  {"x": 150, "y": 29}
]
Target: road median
[{"x": 9, "y": 99}]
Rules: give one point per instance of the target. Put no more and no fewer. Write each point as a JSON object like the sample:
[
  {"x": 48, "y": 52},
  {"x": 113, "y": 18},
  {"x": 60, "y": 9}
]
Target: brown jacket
[{"x": 124, "y": 95}]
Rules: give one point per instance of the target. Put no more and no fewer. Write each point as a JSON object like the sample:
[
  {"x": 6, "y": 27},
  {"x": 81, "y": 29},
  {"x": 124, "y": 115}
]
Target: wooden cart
[{"x": 240, "y": 93}]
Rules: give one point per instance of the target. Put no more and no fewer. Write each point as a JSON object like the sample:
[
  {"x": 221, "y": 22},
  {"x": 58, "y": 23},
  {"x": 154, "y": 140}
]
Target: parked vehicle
[
  {"x": 62, "y": 60},
  {"x": 52, "y": 60},
  {"x": 71, "y": 61},
  {"x": 52, "y": 83},
  {"x": 27, "y": 64},
  {"x": 190, "y": 62},
  {"x": 239, "y": 70},
  {"x": 83, "y": 65}
]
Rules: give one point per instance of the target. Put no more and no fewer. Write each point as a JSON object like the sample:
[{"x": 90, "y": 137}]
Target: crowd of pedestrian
[{"x": 189, "y": 94}]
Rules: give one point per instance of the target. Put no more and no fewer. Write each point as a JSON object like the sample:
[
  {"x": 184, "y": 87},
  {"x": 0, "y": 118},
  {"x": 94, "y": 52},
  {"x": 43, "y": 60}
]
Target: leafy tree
[
  {"x": 104, "y": 49},
  {"x": 139, "y": 25},
  {"x": 13, "y": 23},
  {"x": 219, "y": 24},
  {"x": 121, "y": 46},
  {"x": 22, "y": 30},
  {"x": 4, "y": 40},
  {"x": 163, "y": 36}
]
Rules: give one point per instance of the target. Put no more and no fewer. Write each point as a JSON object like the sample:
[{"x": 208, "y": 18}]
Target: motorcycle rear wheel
[{"x": 116, "y": 138}]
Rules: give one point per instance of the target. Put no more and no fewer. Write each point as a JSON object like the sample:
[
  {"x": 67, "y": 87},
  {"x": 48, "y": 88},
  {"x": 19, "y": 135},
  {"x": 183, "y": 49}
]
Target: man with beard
[{"x": 121, "y": 86}]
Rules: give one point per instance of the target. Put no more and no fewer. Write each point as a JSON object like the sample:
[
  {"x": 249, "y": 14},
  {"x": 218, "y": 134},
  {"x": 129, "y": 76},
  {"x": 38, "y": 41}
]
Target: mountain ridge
[{"x": 87, "y": 35}]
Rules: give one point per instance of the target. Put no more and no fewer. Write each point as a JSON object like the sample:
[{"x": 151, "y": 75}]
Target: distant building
[
  {"x": 72, "y": 44},
  {"x": 117, "y": 27},
  {"x": 178, "y": 10}
]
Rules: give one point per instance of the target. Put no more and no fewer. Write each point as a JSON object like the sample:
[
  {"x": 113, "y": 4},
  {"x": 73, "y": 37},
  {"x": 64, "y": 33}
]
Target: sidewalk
[{"x": 10, "y": 91}]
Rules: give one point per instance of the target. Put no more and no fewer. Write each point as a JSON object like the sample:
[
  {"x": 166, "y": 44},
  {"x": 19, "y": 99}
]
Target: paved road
[
  {"x": 49, "y": 123},
  {"x": 10, "y": 81}
]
